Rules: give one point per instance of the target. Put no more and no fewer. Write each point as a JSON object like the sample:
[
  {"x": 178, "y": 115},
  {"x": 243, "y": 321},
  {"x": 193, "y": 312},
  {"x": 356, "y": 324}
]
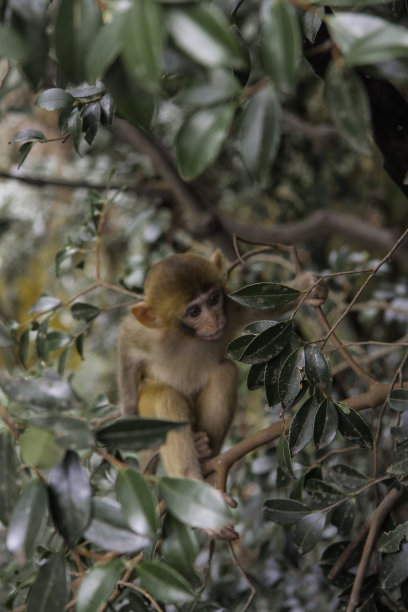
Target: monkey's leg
[
  {"x": 179, "y": 455},
  {"x": 217, "y": 402}
]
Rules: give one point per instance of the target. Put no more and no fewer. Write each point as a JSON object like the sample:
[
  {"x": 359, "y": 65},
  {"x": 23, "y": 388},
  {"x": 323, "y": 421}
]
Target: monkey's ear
[
  {"x": 145, "y": 314},
  {"x": 216, "y": 260}
]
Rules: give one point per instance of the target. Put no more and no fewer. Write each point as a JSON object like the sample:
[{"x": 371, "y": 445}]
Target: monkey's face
[{"x": 204, "y": 316}]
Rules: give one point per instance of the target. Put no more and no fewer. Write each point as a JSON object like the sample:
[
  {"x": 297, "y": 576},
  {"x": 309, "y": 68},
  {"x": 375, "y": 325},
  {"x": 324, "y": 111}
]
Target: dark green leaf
[
  {"x": 76, "y": 23},
  {"x": 69, "y": 433},
  {"x": 57, "y": 340},
  {"x": 237, "y": 347},
  {"x": 302, "y": 425},
  {"x": 394, "y": 568},
  {"x": 201, "y": 137},
  {"x": 322, "y": 493},
  {"x": 27, "y": 135},
  {"x": 179, "y": 547},
  {"x": 38, "y": 448},
  {"x": 281, "y": 44},
  {"x": 10, "y": 478},
  {"x": 12, "y": 45},
  {"x": 222, "y": 86},
  {"x": 28, "y": 522},
  {"x": 202, "y": 31},
  {"x": 143, "y": 43},
  {"x": 135, "y": 433},
  {"x": 70, "y": 498},
  {"x": 349, "y": 107},
  {"x": 291, "y": 376},
  {"x": 285, "y": 511},
  {"x": 326, "y": 423},
  {"x": 260, "y": 132},
  {"x": 256, "y": 376},
  {"x": 194, "y": 502},
  {"x": 164, "y": 582},
  {"x": 23, "y": 152},
  {"x": 97, "y": 586},
  {"x": 398, "y": 400},
  {"x": 399, "y": 460},
  {"x": 316, "y": 368},
  {"x": 262, "y": 296},
  {"x": 353, "y": 427},
  {"x": 347, "y": 478},
  {"x": 390, "y": 542},
  {"x": 54, "y": 99},
  {"x": 62, "y": 361},
  {"x": 105, "y": 47},
  {"x": 74, "y": 126},
  {"x": 50, "y": 590},
  {"x": 308, "y": 531},
  {"x": 50, "y": 391},
  {"x": 343, "y": 517},
  {"x": 84, "y": 311},
  {"x": 268, "y": 344},
  {"x": 311, "y": 22},
  {"x": 41, "y": 345},
  {"x": 367, "y": 39},
  {"x": 138, "y": 503},
  {"x": 283, "y": 457},
  {"x": 109, "y": 530},
  {"x": 79, "y": 345},
  {"x": 46, "y": 303},
  {"x": 24, "y": 347},
  {"x": 91, "y": 121}
]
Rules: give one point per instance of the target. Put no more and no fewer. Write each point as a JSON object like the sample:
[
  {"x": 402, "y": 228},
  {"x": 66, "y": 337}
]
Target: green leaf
[
  {"x": 398, "y": 400},
  {"x": 399, "y": 460},
  {"x": 143, "y": 43},
  {"x": 69, "y": 433},
  {"x": 28, "y": 522},
  {"x": 353, "y": 427},
  {"x": 135, "y": 433},
  {"x": 260, "y": 132},
  {"x": 24, "y": 347},
  {"x": 302, "y": 425},
  {"x": 317, "y": 369},
  {"x": 10, "y": 478},
  {"x": 91, "y": 121},
  {"x": 97, "y": 586},
  {"x": 390, "y": 542},
  {"x": 84, "y": 311},
  {"x": 133, "y": 102},
  {"x": 23, "y": 152},
  {"x": 74, "y": 126},
  {"x": 41, "y": 345},
  {"x": 202, "y": 31},
  {"x": 105, "y": 47},
  {"x": 343, "y": 517},
  {"x": 268, "y": 344},
  {"x": 50, "y": 391},
  {"x": 137, "y": 501},
  {"x": 27, "y": 135},
  {"x": 76, "y": 23},
  {"x": 12, "y": 45},
  {"x": 108, "y": 529},
  {"x": 283, "y": 457},
  {"x": 164, "y": 582},
  {"x": 179, "y": 547},
  {"x": 237, "y": 347},
  {"x": 57, "y": 340},
  {"x": 46, "y": 303},
  {"x": 221, "y": 86},
  {"x": 349, "y": 108},
  {"x": 308, "y": 531},
  {"x": 311, "y": 23},
  {"x": 285, "y": 511},
  {"x": 50, "y": 590},
  {"x": 367, "y": 39},
  {"x": 6, "y": 339},
  {"x": 38, "y": 448},
  {"x": 194, "y": 502},
  {"x": 201, "y": 137},
  {"x": 79, "y": 345},
  {"x": 70, "y": 498},
  {"x": 262, "y": 296},
  {"x": 394, "y": 568},
  {"x": 347, "y": 478},
  {"x": 281, "y": 43},
  {"x": 62, "y": 361},
  {"x": 322, "y": 493},
  {"x": 291, "y": 377},
  {"x": 256, "y": 376},
  {"x": 55, "y": 99},
  {"x": 326, "y": 423}
]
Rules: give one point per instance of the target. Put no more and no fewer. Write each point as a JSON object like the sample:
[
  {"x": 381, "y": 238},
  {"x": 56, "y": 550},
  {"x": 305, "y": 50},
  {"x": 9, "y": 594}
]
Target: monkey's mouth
[{"x": 216, "y": 336}]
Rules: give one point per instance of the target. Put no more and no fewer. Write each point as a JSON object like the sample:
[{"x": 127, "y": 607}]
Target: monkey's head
[{"x": 185, "y": 292}]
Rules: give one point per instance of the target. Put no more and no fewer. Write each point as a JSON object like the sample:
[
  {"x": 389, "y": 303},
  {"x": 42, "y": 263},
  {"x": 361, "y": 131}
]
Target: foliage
[{"x": 84, "y": 527}]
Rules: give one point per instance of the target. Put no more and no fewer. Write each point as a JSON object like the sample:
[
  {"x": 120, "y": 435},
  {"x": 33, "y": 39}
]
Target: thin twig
[
  {"x": 244, "y": 576},
  {"x": 139, "y": 589}
]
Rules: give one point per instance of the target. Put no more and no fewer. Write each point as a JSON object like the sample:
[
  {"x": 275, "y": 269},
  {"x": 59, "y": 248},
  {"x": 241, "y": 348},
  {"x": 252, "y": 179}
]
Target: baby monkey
[{"x": 173, "y": 361}]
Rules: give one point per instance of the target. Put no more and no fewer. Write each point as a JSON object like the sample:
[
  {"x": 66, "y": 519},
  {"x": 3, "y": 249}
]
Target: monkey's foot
[
  {"x": 226, "y": 532},
  {"x": 202, "y": 444}
]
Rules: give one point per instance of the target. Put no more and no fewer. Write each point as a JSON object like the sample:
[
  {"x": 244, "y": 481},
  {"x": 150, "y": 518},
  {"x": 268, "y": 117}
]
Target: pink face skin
[{"x": 205, "y": 315}]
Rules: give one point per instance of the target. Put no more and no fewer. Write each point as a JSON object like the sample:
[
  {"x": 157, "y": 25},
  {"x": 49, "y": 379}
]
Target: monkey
[{"x": 173, "y": 363}]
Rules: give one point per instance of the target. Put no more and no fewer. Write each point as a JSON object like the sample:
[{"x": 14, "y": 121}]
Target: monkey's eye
[
  {"x": 194, "y": 311},
  {"x": 214, "y": 299}
]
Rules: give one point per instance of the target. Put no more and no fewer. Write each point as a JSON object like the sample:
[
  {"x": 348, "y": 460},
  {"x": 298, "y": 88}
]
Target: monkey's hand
[
  {"x": 202, "y": 444},
  {"x": 319, "y": 291},
  {"x": 226, "y": 532}
]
